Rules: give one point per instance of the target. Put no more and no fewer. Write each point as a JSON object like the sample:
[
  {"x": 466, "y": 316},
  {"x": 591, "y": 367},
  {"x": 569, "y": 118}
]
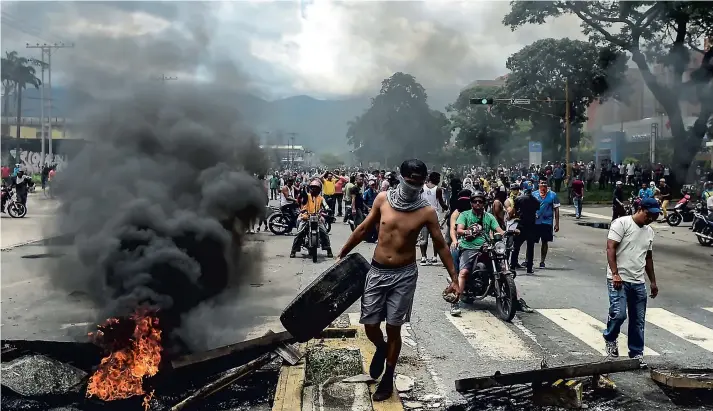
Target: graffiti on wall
[{"x": 31, "y": 161}]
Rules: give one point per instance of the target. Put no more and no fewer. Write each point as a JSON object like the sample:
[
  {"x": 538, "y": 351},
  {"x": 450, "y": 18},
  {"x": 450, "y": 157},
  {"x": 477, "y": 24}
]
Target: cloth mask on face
[{"x": 406, "y": 197}]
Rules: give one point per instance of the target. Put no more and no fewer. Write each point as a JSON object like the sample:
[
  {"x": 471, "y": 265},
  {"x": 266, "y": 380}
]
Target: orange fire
[{"x": 120, "y": 374}]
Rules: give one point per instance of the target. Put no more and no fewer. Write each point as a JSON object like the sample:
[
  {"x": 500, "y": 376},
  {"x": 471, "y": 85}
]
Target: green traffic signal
[{"x": 481, "y": 101}]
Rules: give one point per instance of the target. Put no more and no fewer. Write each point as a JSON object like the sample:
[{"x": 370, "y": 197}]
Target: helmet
[
  {"x": 514, "y": 186},
  {"x": 477, "y": 194},
  {"x": 315, "y": 183}
]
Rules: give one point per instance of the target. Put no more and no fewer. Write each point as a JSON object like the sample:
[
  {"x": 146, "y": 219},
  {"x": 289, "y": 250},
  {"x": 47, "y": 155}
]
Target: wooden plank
[
  {"x": 547, "y": 374},
  {"x": 265, "y": 343}
]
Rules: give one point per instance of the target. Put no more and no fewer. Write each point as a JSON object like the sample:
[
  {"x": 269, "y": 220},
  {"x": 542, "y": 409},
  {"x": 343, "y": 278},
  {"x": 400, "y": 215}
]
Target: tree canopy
[
  {"x": 481, "y": 127},
  {"x": 399, "y": 123},
  {"x": 654, "y": 32},
  {"x": 544, "y": 69}
]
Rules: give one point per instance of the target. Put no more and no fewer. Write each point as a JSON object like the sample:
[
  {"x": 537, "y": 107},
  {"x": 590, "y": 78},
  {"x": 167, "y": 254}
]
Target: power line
[{"x": 164, "y": 78}]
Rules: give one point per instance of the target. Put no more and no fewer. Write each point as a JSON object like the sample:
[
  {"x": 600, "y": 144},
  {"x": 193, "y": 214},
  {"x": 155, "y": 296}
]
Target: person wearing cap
[
  {"x": 548, "y": 218},
  {"x": 629, "y": 256},
  {"x": 664, "y": 196},
  {"x": 313, "y": 204},
  {"x": 618, "y": 208},
  {"x": 577, "y": 195}
]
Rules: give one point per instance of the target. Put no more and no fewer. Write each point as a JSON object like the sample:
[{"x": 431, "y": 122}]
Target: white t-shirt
[
  {"x": 709, "y": 204},
  {"x": 634, "y": 243},
  {"x": 630, "y": 169}
]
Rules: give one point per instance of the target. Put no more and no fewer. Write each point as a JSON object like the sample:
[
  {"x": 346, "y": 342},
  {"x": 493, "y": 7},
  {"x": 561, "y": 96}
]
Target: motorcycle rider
[
  {"x": 475, "y": 226},
  {"x": 288, "y": 203},
  {"x": 707, "y": 191},
  {"x": 314, "y": 204},
  {"x": 22, "y": 183},
  {"x": 618, "y": 209}
]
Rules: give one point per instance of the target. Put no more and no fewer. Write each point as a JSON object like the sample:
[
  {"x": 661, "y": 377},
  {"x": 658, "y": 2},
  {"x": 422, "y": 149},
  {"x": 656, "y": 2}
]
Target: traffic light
[{"x": 481, "y": 101}]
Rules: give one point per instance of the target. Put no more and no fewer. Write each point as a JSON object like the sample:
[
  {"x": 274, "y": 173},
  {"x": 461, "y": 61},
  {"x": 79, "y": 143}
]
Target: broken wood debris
[
  {"x": 547, "y": 374},
  {"x": 265, "y": 343},
  {"x": 686, "y": 379},
  {"x": 561, "y": 393}
]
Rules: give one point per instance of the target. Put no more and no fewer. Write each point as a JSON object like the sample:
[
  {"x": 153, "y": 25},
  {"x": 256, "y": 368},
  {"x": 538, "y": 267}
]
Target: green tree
[
  {"x": 652, "y": 32},
  {"x": 17, "y": 73},
  {"x": 331, "y": 161},
  {"x": 398, "y": 124},
  {"x": 539, "y": 71},
  {"x": 481, "y": 127}
]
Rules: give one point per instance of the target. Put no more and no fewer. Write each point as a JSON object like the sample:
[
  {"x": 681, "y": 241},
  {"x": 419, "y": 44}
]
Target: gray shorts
[
  {"x": 388, "y": 295},
  {"x": 466, "y": 259}
]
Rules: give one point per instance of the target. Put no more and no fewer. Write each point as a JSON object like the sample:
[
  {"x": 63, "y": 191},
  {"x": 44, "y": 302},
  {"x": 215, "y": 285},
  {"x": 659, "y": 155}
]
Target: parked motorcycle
[
  {"x": 703, "y": 229},
  {"x": 492, "y": 276},
  {"x": 12, "y": 207},
  {"x": 280, "y": 223}
]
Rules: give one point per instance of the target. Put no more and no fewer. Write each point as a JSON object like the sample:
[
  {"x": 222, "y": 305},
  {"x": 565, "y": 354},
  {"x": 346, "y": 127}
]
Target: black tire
[
  {"x": 326, "y": 298},
  {"x": 274, "y": 220},
  {"x": 328, "y": 226},
  {"x": 506, "y": 305},
  {"x": 313, "y": 254},
  {"x": 705, "y": 241},
  {"x": 16, "y": 210},
  {"x": 674, "y": 219}
]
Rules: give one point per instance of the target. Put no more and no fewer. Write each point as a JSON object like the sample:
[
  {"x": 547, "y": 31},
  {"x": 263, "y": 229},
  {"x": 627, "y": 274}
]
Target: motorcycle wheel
[
  {"x": 16, "y": 210},
  {"x": 313, "y": 253},
  {"x": 674, "y": 219},
  {"x": 705, "y": 241},
  {"x": 506, "y": 303},
  {"x": 277, "y": 223}
]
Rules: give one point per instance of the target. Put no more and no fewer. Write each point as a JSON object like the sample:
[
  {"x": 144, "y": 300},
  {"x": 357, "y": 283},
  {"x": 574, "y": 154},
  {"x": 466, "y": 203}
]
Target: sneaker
[
  {"x": 612, "y": 349},
  {"x": 516, "y": 266},
  {"x": 542, "y": 264},
  {"x": 424, "y": 261},
  {"x": 530, "y": 271},
  {"x": 455, "y": 309},
  {"x": 640, "y": 357},
  {"x": 524, "y": 307},
  {"x": 434, "y": 261}
]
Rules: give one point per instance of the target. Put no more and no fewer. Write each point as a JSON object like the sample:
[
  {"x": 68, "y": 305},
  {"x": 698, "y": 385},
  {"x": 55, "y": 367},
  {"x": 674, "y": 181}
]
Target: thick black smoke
[{"x": 158, "y": 202}]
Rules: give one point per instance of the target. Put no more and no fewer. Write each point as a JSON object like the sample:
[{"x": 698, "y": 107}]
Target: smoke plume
[{"x": 160, "y": 196}]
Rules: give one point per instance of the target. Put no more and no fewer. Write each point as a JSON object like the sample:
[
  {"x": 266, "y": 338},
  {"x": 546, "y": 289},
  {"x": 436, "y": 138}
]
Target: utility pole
[
  {"x": 41, "y": 63},
  {"x": 566, "y": 121},
  {"x": 291, "y": 149},
  {"x": 48, "y": 48}
]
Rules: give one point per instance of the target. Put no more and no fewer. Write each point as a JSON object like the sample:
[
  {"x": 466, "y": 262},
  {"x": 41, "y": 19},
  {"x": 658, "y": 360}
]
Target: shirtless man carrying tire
[{"x": 391, "y": 282}]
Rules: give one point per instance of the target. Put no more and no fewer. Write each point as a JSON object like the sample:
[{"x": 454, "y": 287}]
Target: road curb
[{"x": 30, "y": 242}]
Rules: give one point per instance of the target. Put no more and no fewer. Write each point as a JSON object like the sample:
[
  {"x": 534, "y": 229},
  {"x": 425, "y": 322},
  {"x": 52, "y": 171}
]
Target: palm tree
[{"x": 18, "y": 72}]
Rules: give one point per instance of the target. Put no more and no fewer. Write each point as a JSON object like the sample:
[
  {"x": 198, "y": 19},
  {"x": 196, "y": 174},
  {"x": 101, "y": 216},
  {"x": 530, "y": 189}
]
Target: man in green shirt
[
  {"x": 274, "y": 186},
  {"x": 474, "y": 227}
]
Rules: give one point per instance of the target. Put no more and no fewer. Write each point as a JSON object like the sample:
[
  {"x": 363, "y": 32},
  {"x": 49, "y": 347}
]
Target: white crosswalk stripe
[
  {"x": 585, "y": 327},
  {"x": 681, "y": 327},
  {"x": 490, "y": 336},
  {"x": 495, "y": 339}
]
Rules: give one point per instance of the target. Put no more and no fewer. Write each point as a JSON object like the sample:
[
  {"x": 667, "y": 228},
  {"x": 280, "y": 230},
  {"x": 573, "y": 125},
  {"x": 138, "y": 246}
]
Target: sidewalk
[{"x": 38, "y": 224}]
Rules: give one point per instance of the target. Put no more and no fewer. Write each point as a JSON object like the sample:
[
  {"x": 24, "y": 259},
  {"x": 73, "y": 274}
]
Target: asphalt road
[{"x": 569, "y": 296}]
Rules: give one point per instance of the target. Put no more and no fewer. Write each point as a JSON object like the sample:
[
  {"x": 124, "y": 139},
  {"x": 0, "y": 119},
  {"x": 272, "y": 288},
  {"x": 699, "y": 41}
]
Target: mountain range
[{"x": 319, "y": 125}]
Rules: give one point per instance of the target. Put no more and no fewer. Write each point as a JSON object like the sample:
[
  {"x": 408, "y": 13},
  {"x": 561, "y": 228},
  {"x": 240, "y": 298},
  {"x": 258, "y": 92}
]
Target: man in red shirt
[
  {"x": 577, "y": 195},
  {"x": 339, "y": 190},
  {"x": 6, "y": 175}
]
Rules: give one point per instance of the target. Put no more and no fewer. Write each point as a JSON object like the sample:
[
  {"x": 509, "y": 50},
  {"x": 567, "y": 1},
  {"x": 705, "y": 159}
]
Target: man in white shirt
[{"x": 629, "y": 256}]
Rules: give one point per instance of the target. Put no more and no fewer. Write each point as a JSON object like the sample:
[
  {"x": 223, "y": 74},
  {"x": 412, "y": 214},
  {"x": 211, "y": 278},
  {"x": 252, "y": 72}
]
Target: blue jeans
[
  {"x": 633, "y": 297},
  {"x": 577, "y": 206},
  {"x": 455, "y": 254}
]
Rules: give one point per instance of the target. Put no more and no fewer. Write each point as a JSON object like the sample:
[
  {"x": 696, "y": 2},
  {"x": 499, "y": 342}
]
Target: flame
[{"x": 120, "y": 374}]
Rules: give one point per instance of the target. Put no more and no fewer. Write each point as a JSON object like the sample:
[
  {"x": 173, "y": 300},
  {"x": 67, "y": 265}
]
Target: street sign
[{"x": 520, "y": 101}]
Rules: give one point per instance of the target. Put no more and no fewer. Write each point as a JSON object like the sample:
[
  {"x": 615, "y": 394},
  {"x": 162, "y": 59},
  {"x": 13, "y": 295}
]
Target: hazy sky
[{"x": 320, "y": 48}]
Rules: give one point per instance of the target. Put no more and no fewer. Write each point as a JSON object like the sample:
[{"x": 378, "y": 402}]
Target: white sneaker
[
  {"x": 455, "y": 309},
  {"x": 424, "y": 261},
  {"x": 612, "y": 348},
  {"x": 642, "y": 363},
  {"x": 434, "y": 261}
]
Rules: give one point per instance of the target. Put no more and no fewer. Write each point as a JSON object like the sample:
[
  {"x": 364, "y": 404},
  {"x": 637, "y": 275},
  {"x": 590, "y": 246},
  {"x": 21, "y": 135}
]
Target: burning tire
[{"x": 321, "y": 302}]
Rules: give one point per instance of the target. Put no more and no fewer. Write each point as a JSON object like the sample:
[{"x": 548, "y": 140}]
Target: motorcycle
[
  {"x": 682, "y": 212},
  {"x": 279, "y": 223},
  {"x": 492, "y": 276},
  {"x": 633, "y": 204},
  {"x": 12, "y": 207},
  {"x": 703, "y": 229},
  {"x": 312, "y": 240}
]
